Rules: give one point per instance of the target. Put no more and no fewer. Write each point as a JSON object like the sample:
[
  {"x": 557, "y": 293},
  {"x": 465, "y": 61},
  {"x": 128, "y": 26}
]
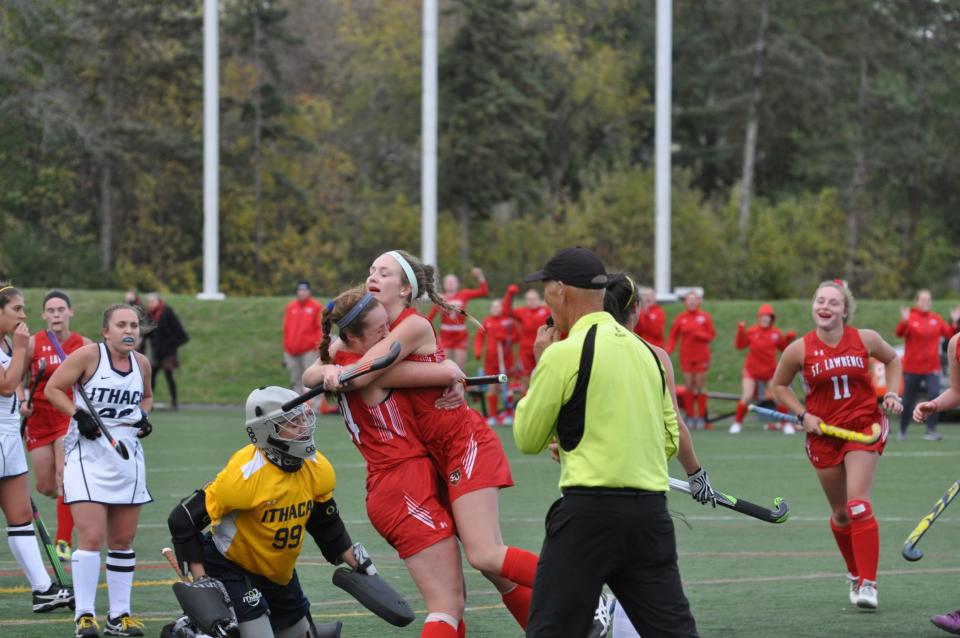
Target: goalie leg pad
[
  {"x": 207, "y": 604},
  {"x": 256, "y": 628},
  {"x": 376, "y": 594}
]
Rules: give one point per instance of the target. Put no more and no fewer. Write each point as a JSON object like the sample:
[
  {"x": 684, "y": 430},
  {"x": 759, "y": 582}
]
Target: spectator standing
[
  {"x": 166, "y": 337},
  {"x": 301, "y": 334},
  {"x": 652, "y": 320},
  {"x": 921, "y": 330}
]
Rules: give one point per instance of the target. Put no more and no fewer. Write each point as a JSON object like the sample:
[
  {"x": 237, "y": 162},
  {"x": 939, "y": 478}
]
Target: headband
[
  {"x": 408, "y": 271},
  {"x": 6, "y": 288},
  {"x": 354, "y": 311},
  {"x": 633, "y": 289}
]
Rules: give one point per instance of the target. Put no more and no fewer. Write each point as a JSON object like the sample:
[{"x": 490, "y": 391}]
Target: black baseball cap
[{"x": 578, "y": 267}]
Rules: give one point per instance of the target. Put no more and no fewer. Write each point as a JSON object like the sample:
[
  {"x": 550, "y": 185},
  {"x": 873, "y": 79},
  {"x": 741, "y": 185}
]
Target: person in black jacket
[{"x": 165, "y": 339}]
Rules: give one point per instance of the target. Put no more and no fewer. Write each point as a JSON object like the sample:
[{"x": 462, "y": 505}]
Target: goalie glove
[
  {"x": 700, "y": 488},
  {"x": 208, "y": 605},
  {"x": 364, "y": 562}
]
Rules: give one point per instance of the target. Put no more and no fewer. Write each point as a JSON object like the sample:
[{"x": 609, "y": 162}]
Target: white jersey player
[{"x": 104, "y": 489}]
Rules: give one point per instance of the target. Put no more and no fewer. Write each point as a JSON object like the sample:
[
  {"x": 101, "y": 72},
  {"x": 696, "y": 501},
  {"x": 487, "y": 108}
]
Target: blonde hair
[{"x": 849, "y": 303}]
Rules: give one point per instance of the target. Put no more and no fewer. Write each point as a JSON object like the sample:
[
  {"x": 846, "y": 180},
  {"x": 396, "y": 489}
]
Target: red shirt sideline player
[
  {"x": 530, "y": 316},
  {"x": 652, "y": 320},
  {"x": 834, "y": 360},
  {"x": 46, "y": 425},
  {"x": 694, "y": 329},
  {"x": 494, "y": 346},
  {"x": 453, "y": 323}
]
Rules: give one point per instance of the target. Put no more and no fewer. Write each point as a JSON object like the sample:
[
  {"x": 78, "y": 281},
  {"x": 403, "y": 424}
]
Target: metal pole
[
  {"x": 428, "y": 177},
  {"x": 663, "y": 148},
  {"x": 211, "y": 151}
]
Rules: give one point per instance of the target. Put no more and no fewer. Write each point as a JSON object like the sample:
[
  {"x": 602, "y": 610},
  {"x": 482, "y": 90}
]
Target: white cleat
[
  {"x": 867, "y": 595},
  {"x": 735, "y": 428},
  {"x": 601, "y": 619},
  {"x": 854, "y": 588},
  {"x": 789, "y": 429}
]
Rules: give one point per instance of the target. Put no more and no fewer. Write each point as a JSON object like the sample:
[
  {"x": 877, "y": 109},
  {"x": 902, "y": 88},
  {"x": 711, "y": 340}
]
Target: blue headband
[{"x": 354, "y": 311}]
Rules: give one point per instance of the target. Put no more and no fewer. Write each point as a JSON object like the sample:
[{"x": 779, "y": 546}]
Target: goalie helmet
[{"x": 286, "y": 438}]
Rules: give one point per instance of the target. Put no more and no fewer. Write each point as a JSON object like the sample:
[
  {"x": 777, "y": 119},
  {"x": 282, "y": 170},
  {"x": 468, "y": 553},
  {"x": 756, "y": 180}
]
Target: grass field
[{"x": 744, "y": 578}]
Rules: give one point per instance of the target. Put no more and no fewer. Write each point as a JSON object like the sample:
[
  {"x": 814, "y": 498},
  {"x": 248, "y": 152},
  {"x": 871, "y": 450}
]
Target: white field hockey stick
[
  {"x": 348, "y": 375},
  {"x": 910, "y": 551},
  {"x": 825, "y": 428},
  {"x": 779, "y": 513}
]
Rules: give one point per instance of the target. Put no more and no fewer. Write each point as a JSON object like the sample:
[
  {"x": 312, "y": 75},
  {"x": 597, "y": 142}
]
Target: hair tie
[
  {"x": 408, "y": 271},
  {"x": 633, "y": 289},
  {"x": 355, "y": 311},
  {"x": 330, "y": 306}
]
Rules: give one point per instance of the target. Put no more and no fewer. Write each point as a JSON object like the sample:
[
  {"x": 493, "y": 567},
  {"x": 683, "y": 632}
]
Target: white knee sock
[
  {"x": 120, "y": 566},
  {"x": 23, "y": 546},
  {"x": 86, "y": 575}
]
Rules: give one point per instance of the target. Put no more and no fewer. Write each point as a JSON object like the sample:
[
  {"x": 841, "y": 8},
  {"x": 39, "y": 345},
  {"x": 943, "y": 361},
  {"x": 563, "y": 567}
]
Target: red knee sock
[
  {"x": 865, "y": 534},
  {"x": 741, "y": 412},
  {"x": 845, "y": 543},
  {"x": 520, "y": 566},
  {"x": 492, "y": 404},
  {"x": 517, "y": 603},
  {"x": 702, "y": 404},
  {"x": 437, "y": 629},
  {"x": 689, "y": 400},
  {"x": 64, "y": 522},
  {"x": 462, "y": 629}
]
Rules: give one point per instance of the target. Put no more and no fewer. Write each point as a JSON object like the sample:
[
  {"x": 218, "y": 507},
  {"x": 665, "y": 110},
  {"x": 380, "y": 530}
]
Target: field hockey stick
[
  {"x": 504, "y": 391},
  {"x": 486, "y": 379},
  {"x": 348, "y": 375},
  {"x": 825, "y": 428},
  {"x": 34, "y": 383},
  {"x": 172, "y": 559},
  {"x": 910, "y": 551},
  {"x": 48, "y": 547},
  {"x": 779, "y": 513},
  {"x": 78, "y": 388}
]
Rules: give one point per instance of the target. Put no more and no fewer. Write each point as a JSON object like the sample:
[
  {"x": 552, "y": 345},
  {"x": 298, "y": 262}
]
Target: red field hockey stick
[{"x": 348, "y": 375}]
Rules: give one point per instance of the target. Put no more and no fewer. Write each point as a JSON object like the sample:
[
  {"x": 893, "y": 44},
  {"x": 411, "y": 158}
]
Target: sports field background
[{"x": 744, "y": 578}]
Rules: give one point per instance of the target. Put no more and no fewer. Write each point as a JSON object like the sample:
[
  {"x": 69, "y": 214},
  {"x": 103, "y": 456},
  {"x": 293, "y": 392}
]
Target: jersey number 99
[{"x": 288, "y": 537}]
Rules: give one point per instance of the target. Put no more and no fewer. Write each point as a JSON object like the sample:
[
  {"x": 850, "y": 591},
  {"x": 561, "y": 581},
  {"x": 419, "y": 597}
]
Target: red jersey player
[
  {"x": 834, "y": 361},
  {"x": 693, "y": 328},
  {"x": 46, "y": 426},
  {"x": 762, "y": 341},
  {"x": 494, "y": 346},
  {"x": 652, "y": 320},
  {"x": 530, "y": 317},
  {"x": 453, "y": 323}
]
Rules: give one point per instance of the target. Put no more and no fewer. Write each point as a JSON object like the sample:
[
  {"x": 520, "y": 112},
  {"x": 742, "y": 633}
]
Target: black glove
[
  {"x": 144, "y": 427},
  {"x": 86, "y": 424},
  {"x": 700, "y": 488}
]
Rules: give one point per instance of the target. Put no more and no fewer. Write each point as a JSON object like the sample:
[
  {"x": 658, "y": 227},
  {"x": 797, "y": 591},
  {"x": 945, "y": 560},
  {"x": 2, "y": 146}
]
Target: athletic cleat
[
  {"x": 55, "y": 596},
  {"x": 124, "y": 625},
  {"x": 949, "y": 622},
  {"x": 492, "y": 421},
  {"x": 64, "y": 552},
  {"x": 854, "y": 588},
  {"x": 789, "y": 429},
  {"x": 87, "y": 627},
  {"x": 601, "y": 619},
  {"x": 933, "y": 435},
  {"x": 735, "y": 428},
  {"x": 867, "y": 595}
]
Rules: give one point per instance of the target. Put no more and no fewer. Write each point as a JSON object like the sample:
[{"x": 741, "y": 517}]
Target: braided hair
[
  {"x": 427, "y": 285},
  {"x": 338, "y": 307}
]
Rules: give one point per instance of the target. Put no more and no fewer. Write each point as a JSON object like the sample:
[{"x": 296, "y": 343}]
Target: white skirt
[
  {"x": 94, "y": 472},
  {"x": 13, "y": 460}
]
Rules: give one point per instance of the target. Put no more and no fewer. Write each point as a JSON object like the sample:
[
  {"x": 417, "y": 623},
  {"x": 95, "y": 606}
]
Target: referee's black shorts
[{"x": 623, "y": 538}]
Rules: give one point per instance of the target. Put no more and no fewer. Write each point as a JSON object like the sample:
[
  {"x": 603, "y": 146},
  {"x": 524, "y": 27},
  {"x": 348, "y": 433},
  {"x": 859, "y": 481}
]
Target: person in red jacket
[
  {"x": 693, "y": 328},
  {"x": 529, "y": 317},
  {"x": 453, "y": 323},
  {"x": 494, "y": 346},
  {"x": 301, "y": 334},
  {"x": 652, "y": 320},
  {"x": 921, "y": 330},
  {"x": 762, "y": 341}
]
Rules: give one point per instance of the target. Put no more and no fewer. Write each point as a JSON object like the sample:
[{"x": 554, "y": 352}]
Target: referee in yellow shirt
[{"x": 601, "y": 393}]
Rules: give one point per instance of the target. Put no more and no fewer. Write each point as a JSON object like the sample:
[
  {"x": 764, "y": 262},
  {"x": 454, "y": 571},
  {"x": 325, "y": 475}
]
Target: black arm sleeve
[
  {"x": 187, "y": 520},
  {"x": 327, "y": 529}
]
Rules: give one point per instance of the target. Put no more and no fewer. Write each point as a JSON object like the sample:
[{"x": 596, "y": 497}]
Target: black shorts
[{"x": 253, "y": 595}]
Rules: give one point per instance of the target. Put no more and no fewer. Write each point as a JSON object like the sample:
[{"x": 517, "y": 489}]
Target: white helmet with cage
[{"x": 286, "y": 437}]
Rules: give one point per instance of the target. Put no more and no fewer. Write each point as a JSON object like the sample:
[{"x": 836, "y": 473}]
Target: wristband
[
  {"x": 800, "y": 417},
  {"x": 894, "y": 395}
]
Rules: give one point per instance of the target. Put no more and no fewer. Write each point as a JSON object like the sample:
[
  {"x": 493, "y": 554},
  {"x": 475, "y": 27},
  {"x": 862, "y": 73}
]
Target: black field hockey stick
[
  {"x": 825, "y": 428},
  {"x": 910, "y": 551},
  {"x": 348, "y": 375},
  {"x": 78, "y": 388},
  {"x": 779, "y": 513},
  {"x": 486, "y": 379},
  {"x": 34, "y": 383},
  {"x": 48, "y": 547}
]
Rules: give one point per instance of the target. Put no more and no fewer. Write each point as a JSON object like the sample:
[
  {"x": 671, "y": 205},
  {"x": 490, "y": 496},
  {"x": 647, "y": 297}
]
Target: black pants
[
  {"x": 171, "y": 385},
  {"x": 911, "y": 392},
  {"x": 623, "y": 540}
]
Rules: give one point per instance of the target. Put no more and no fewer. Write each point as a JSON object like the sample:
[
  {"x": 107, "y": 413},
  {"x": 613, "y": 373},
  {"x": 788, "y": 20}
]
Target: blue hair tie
[
  {"x": 330, "y": 306},
  {"x": 355, "y": 311}
]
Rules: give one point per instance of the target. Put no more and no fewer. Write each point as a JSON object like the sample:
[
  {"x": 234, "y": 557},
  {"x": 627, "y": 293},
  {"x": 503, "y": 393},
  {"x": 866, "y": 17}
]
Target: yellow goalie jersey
[{"x": 259, "y": 512}]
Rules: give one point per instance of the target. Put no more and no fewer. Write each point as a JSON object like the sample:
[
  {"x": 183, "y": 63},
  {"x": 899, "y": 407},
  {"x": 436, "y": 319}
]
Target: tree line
[{"x": 811, "y": 140}]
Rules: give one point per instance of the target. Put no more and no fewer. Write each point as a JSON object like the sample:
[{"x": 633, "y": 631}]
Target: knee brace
[{"x": 859, "y": 510}]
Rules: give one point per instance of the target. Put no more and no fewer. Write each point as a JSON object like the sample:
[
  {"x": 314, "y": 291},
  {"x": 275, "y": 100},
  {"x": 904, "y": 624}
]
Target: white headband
[{"x": 408, "y": 271}]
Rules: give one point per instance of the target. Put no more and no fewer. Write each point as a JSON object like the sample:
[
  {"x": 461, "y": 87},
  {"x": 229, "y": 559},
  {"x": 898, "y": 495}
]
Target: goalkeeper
[{"x": 261, "y": 508}]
